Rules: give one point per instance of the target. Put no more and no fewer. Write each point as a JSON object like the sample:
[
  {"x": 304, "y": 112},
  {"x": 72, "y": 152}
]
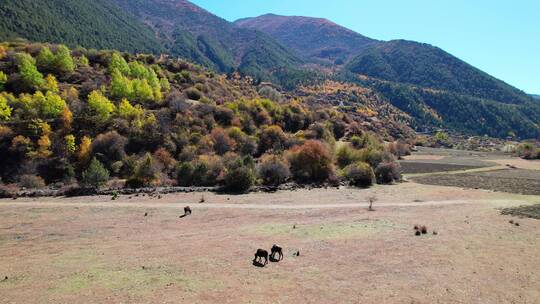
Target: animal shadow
[{"x": 258, "y": 264}]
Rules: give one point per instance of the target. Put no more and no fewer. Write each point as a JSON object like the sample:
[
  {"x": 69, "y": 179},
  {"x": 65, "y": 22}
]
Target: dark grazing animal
[
  {"x": 259, "y": 255},
  {"x": 187, "y": 211},
  {"x": 277, "y": 250}
]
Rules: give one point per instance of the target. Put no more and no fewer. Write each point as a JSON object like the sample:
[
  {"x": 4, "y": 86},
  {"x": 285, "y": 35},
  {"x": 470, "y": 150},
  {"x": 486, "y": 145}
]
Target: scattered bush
[
  {"x": 528, "y": 151},
  {"x": 272, "y": 138},
  {"x": 31, "y": 182},
  {"x": 238, "y": 179},
  {"x": 311, "y": 162},
  {"x": 399, "y": 149},
  {"x": 204, "y": 171},
  {"x": 387, "y": 173},
  {"x": 146, "y": 173},
  {"x": 273, "y": 171},
  {"x": 346, "y": 155},
  {"x": 193, "y": 93},
  {"x": 359, "y": 174},
  {"x": 109, "y": 147}
]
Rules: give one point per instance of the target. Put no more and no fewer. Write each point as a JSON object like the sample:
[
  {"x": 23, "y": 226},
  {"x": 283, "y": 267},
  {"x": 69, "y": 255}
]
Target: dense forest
[
  {"x": 96, "y": 24},
  {"x": 89, "y": 117},
  {"x": 423, "y": 65},
  {"x": 462, "y": 113}
]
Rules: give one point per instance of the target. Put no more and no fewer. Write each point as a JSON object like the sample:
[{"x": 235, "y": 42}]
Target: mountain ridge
[
  {"x": 212, "y": 40},
  {"x": 319, "y": 39}
]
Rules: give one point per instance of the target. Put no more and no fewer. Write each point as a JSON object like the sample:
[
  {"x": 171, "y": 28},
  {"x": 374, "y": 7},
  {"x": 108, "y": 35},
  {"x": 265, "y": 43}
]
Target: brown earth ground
[{"x": 94, "y": 250}]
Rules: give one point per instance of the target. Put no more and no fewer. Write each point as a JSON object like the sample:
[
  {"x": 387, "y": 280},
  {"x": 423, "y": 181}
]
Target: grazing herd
[{"x": 262, "y": 254}]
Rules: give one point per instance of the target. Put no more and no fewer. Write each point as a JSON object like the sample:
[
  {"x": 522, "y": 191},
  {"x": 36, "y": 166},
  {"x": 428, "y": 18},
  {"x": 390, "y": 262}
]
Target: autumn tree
[
  {"x": 100, "y": 106},
  {"x": 63, "y": 62},
  {"x": 119, "y": 63},
  {"x": 31, "y": 78},
  {"x": 50, "y": 84},
  {"x": 85, "y": 149},
  {"x": 3, "y": 80},
  {"x": 5, "y": 109},
  {"x": 45, "y": 59},
  {"x": 311, "y": 162}
]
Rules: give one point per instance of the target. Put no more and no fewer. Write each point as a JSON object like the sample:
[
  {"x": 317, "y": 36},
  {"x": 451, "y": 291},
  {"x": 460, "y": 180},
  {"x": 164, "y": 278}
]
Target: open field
[
  {"x": 506, "y": 180},
  {"x": 94, "y": 250}
]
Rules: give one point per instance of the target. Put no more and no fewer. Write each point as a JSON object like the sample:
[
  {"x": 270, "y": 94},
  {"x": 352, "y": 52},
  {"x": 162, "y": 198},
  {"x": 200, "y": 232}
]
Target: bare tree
[{"x": 371, "y": 200}]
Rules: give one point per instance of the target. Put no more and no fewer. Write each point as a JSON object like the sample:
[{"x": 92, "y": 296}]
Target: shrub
[
  {"x": 109, "y": 147},
  {"x": 311, "y": 162},
  {"x": 359, "y": 174},
  {"x": 7, "y": 191},
  {"x": 387, "y": 173},
  {"x": 146, "y": 173},
  {"x": 272, "y": 138},
  {"x": 270, "y": 93},
  {"x": 399, "y": 149},
  {"x": 205, "y": 171},
  {"x": 95, "y": 175},
  {"x": 193, "y": 93},
  {"x": 528, "y": 151},
  {"x": 31, "y": 181},
  {"x": 184, "y": 174},
  {"x": 238, "y": 179},
  {"x": 346, "y": 155},
  {"x": 273, "y": 171},
  {"x": 222, "y": 142}
]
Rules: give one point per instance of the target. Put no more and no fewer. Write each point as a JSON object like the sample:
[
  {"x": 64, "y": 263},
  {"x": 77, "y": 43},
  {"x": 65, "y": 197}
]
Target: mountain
[
  {"x": 537, "y": 97},
  {"x": 427, "y": 66},
  {"x": 194, "y": 33},
  {"x": 316, "y": 39},
  {"x": 92, "y": 24}
]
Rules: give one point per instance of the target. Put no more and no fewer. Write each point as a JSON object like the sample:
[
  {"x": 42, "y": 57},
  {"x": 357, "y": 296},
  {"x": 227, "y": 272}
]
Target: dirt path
[
  {"x": 254, "y": 206},
  {"x": 475, "y": 170}
]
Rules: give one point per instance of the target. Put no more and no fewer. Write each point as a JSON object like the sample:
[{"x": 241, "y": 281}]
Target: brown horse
[{"x": 259, "y": 255}]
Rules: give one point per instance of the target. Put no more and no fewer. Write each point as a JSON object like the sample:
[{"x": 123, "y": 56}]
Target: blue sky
[{"x": 501, "y": 37}]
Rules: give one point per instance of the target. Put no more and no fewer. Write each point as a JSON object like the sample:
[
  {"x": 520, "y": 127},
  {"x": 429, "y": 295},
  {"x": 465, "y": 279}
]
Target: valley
[{"x": 93, "y": 249}]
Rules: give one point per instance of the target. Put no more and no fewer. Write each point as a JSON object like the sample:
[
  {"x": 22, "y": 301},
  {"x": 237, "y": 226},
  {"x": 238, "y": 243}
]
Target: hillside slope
[
  {"x": 92, "y": 24},
  {"x": 426, "y": 66},
  {"x": 315, "y": 39},
  {"x": 194, "y": 33}
]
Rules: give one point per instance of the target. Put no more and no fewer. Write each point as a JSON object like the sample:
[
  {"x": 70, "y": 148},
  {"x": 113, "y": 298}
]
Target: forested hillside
[
  {"x": 429, "y": 67},
  {"x": 87, "y": 117},
  {"x": 193, "y": 33},
  {"x": 96, "y": 24},
  {"x": 460, "y": 113}
]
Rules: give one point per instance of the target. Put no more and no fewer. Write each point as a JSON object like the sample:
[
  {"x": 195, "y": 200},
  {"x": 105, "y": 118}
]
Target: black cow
[{"x": 259, "y": 255}]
